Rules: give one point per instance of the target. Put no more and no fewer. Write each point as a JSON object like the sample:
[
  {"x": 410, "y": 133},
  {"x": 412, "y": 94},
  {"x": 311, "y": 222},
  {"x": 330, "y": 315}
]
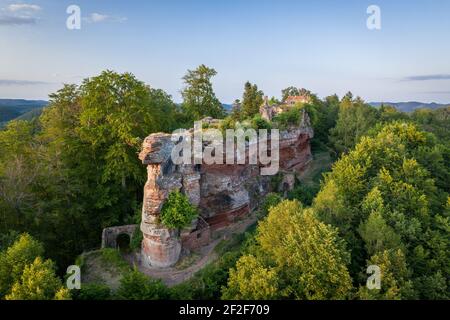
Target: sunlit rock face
[
  {"x": 223, "y": 193},
  {"x": 161, "y": 246}
]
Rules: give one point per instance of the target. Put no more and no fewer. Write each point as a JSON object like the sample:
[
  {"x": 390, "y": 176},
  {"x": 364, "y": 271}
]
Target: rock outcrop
[{"x": 222, "y": 192}]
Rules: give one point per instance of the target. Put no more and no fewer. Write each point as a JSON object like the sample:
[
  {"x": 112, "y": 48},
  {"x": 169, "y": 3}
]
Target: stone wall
[
  {"x": 197, "y": 238},
  {"x": 223, "y": 193},
  {"x": 109, "y": 235}
]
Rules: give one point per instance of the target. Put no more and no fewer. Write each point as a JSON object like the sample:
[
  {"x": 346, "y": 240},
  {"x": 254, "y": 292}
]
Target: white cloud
[
  {"x": 19, "y": 14},
  {"x": 23, "y": 7}
]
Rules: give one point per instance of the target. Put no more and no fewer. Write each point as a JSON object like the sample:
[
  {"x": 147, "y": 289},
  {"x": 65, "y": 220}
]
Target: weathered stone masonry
[
  {"x": 221, "y": 192},
  {"x": 109, "y": 235}
]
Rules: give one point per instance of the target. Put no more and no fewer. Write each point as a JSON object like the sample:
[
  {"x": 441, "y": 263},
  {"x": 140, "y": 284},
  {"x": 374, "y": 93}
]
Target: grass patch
[
  {"x": 111, "y": 258},
  {"x": 102, "y": 267}
]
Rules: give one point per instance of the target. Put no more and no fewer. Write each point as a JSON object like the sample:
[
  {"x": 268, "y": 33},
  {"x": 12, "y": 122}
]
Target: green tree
[
  {"x": 382, "y": 197},
  {"x": 118, "y": 112},
  {"x": 259, "y": 122},
  {"x": 305, "y": 261},
  {"x": 394, "y": 278},
  {"x": 436, "y": 122},
  {"x": 355, "y": 118},
  {"x": 177, "y": 212},
  {"x": 15, "y": 141},
  {"x": 14, "y": 260},
  {"x": 274, "y": 100},
  {"x": 236, "y": 110},
  {"x": 377, "y": 235},
  {"x": 17, "y": 175},
  {"x": 327, "y": 113},
  {"x": 293, "y": 91},
  {"x": 86, "y": 172},
  {"x": 251, "y": 280},
  {"x": 288, "y": 119},
  {"x": 289, "y": 91},
  {"x": 271, "y": 200},
  {"x": 199, "y": 99},
  {"x": 8, "y": 239},
  {"x": 38, "y": 282},
  {"x": 252, "y": 100},
  {"x": 389, "y": 114},
  {"x": 92, "y": 291},
  {"x": 137, "y": 286}
]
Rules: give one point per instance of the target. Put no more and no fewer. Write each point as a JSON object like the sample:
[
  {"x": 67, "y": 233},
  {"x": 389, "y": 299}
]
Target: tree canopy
[
  {"x": 385, "y": 201},
  {"x": 24, "y": 275},
  {"x": 252, "y": 100},
  {"x": 199, "y": 99},
  {"x": 307, "y": 260},
  {"x": 383, "y": 198}
]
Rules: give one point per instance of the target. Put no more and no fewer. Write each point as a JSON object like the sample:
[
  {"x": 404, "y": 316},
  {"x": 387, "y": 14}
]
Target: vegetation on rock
[{"x": 177, "y": 212}]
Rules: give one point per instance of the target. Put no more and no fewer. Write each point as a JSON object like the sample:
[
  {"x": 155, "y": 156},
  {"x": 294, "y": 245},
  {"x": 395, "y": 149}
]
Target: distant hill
[
  {"x": 410, "y": 106},
  {"x": 19, "y": 108},
  {"x": 7, "y": 114},
  {"x": 30, "y": 115},
  {"x": 227, "y": 107}
]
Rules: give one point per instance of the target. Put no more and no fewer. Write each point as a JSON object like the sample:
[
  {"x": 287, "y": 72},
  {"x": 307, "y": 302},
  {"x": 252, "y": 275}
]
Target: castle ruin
[{"x": 223, "y": 193}]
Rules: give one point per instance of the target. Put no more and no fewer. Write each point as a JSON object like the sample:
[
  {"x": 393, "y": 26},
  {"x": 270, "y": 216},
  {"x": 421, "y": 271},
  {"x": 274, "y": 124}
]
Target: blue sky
[{"x": 323, "y": 46}]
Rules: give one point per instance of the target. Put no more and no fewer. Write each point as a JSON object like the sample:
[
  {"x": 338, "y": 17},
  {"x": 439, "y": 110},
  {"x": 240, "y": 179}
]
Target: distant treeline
[{"x": 19, "y": 109}]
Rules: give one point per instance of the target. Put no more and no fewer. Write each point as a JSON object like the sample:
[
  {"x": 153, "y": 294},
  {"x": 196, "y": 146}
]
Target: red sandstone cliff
[{"x": 222, "y": 192}]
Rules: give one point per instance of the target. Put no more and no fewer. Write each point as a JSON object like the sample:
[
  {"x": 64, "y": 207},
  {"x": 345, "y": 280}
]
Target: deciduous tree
[{"x": 199, "y": 99}]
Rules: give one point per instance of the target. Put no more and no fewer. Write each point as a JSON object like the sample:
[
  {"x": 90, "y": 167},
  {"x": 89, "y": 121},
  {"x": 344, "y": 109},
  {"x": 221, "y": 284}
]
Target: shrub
[
  {"x": 260, "y": 123},
  {"x": 92, "y": 291},
  {"x": 288, "y": 118},
  {"x": 112, "y": 258},
  {"x": 137, "y": 286},
  {"x": 275, "y": 182},
  {"x": 305, "y": 194},
  {"x": 177, "y": 212},
  {"x": 227, "y": 123},
  {"x": 271, "y": 200}
]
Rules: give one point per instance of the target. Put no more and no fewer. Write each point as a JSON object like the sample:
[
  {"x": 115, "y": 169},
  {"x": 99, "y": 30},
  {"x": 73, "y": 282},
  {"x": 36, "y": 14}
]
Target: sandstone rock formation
[
  {"x": 161, "y": 246},
  {"x": 221, "y": 192}
]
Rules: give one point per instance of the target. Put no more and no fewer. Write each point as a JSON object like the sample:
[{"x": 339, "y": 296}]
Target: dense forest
[{"x": 73, "y": 170}]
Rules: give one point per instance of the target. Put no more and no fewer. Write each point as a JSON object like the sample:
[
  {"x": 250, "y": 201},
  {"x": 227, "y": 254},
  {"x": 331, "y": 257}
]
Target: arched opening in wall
[{"x": 123, "y": 243}]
